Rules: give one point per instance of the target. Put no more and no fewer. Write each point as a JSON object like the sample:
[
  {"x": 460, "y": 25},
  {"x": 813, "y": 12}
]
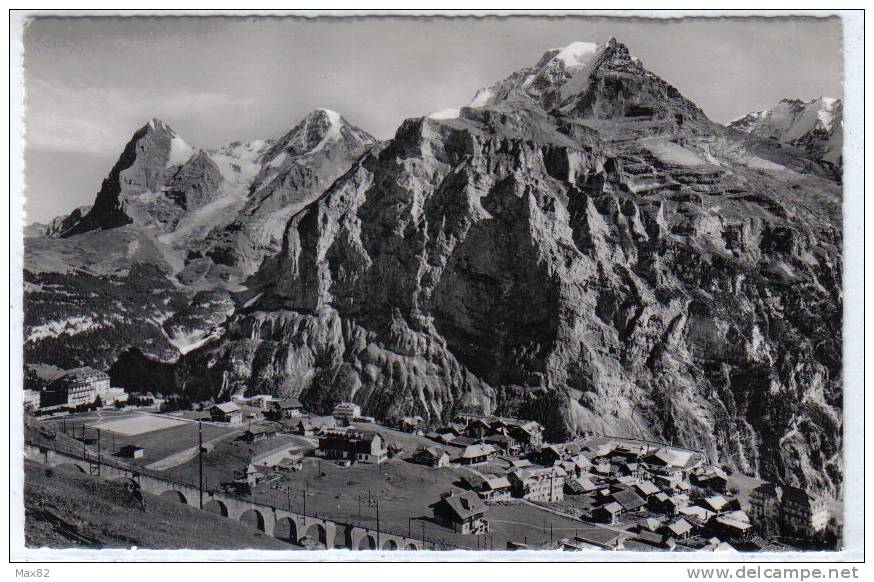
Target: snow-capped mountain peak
[
  {"x": 577, "y": 53},
  {"x": 815, "y": 126}
]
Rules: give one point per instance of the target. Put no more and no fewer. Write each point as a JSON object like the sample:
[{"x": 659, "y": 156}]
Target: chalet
[
  {"x": 463, "y": 512},
  {"x": 475, "y": 454},
  {"x": 649, "y": 524},
  {"x": 629, "y": 451},
  {"x": 346, "y": 411},
  {"x": 629, "y": 500},
  {"x": 410, "y": 424},
  {"x": 715, "y": 503},
  {"x": 361, "y": 446},
  {"x": 528, "y": 434},
  {"x": 288, "y": 408},
  {"x": 656, "y": 539},
  {"x": 477, "y": 428},
  {"x": 679, "y": 529},
  {"x": 226, "y": 412},
  {"x": 696, "y": 511},
  {"x": 300, "y": 426},
  {"x": 579, "y": 485},
  {"x": 259, "y": 432},
  {"x": 548, "y": 455},
  {"x": 662, "y": 503},
  {"x": 538, "y": 483},
  {"x": 131, "y": 452},
  {"x": 711, "y": 480},
  {"x": 494, "y": 488},
  {"x": 730, "y": 528},
  {"x": 432, "y": 456},
  {"x": 646, "y": 489},
  {"x": 608, "y": 513},
  {"x": 575, "y": 467},
  {"x": 504, "y": 443},
  {"x": 673, "y": 463}
]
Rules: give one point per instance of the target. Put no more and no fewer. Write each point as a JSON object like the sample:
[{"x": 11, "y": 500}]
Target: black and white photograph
[{"x": 313, "y": 285}]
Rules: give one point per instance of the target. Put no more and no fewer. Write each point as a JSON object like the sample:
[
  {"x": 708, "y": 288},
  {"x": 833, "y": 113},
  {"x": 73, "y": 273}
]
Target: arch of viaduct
[{"x": 282, "y": 524}]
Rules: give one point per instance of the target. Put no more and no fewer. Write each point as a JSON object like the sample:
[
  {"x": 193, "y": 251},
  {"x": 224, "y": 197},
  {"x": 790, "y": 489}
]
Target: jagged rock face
[
  {"x": 813, "y": 127},
  {"x": 61, "y": 224},
  {"x": 295, "y": 170},
  {"x": 627, "y": 268},
  {"x": 144, "y": 268},
  {"x": 147, "y": 162}
]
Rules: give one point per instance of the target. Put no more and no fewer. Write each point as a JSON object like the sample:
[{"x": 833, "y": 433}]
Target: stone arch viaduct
[{"x": 282, "y": 524}]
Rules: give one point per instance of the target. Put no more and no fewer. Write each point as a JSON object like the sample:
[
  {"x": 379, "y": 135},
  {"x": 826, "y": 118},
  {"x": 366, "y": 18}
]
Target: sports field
[{"x": 138, "y": 424}]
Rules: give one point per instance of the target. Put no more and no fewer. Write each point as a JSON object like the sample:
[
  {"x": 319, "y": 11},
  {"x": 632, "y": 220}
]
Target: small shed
[{"x": 131, "y": 452}]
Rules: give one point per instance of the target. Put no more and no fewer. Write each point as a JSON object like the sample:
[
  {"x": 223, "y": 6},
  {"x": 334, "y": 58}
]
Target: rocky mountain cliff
[
  {"x": 580, "y": 245},
  {"x": 146, "y": 266},
  {"x": 814, "y": 127}
]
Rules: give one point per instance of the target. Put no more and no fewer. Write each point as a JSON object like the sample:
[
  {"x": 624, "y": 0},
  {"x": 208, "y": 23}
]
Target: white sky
[{"x": 91, "y": 82}]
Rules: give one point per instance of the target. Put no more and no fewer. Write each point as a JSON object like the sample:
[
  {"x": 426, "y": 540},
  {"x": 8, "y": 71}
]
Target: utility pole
[
  {"x": 371, "y": 502},
  {"x": 98, "y": 452},
  {"x": 200, "y": 457}
]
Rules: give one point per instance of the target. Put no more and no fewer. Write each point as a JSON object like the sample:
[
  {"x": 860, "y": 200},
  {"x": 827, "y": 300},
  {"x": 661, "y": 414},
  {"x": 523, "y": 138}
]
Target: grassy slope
[{"x": 70, "y": 509}]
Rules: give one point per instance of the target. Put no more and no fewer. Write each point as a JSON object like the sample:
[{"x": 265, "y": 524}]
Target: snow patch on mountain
[
  {"x": 577, "y": 53},
  {"x": 335, "y": 123},
  {"x": 180, "y": 152},
  {"x": 450, "y": 113}
]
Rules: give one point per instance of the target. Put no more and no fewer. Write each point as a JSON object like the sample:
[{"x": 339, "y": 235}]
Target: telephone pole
[
  {"x": 200, "y": 457},
  {"x": 371, "y": 502},
  {"x": 98, "y": 452}
]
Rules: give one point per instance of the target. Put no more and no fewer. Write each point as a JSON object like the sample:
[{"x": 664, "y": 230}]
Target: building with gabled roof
[
  {"x": 463, "y": 513},
  {"x": 361, "y": 446},
  {"x": 579, "y": 485},
  {"x": 628, "y": 499},
  {"x": 608, "y": 513},
  {"x": 476, "y": 453},
  {"x": 226, "y": 412},
  {"x": 679, "y": 529},
  {"x": 432, "y": 456}
]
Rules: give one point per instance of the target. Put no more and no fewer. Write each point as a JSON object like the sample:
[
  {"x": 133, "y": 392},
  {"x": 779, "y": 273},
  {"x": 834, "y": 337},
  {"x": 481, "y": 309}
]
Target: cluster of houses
[{"x": 652, "y": 495}]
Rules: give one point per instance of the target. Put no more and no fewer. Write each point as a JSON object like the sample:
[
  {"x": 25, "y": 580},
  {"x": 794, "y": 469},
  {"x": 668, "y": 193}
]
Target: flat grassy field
[
  {"x": 70, "y": 509},
  {"x": 158, "y": 444}
]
